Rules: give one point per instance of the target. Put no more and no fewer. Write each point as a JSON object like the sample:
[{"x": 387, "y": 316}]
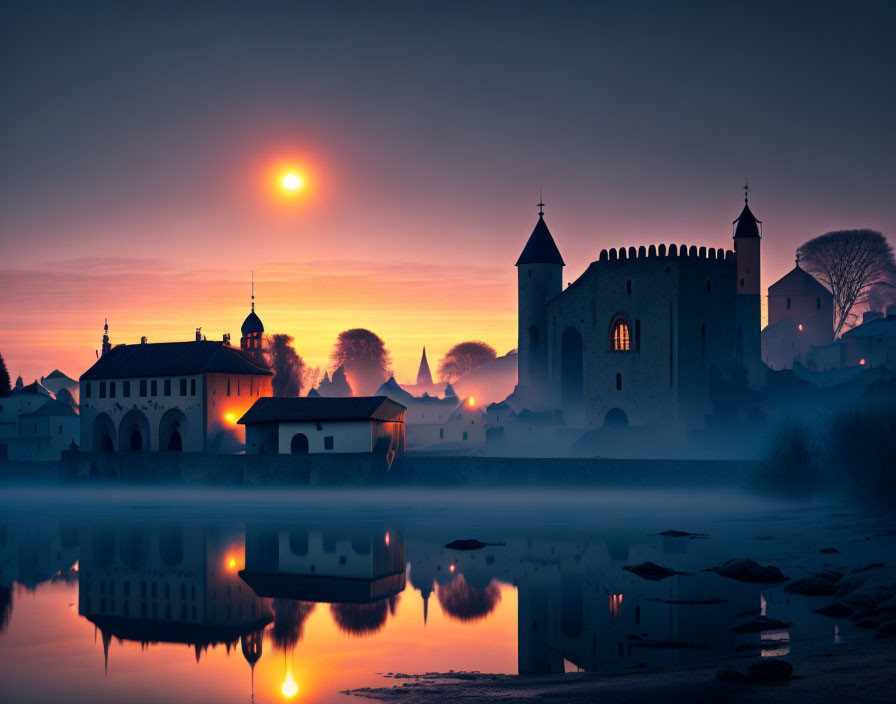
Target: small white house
[{"x": 358, "y": 424}]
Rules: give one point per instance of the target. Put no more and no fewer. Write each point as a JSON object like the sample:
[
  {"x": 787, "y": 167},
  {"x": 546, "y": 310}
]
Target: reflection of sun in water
[
  {"x": 289, "y": 688},
  {"x": 292, "y": 182}
]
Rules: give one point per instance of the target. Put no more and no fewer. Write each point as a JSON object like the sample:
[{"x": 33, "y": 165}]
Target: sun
[{"x": 292, "y": 182}]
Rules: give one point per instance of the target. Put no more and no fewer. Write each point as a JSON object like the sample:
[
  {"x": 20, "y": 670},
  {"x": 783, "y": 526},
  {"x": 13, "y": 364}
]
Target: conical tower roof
[
  {"x": 540, "y": 249},
  {"x": 424, "y": 376},
  {"x": 747, "y": 224}
]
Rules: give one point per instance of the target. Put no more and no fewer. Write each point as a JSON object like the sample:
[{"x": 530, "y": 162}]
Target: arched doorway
[
  {"x": 299, "y": 444},
  {"x": 103, "y": 433},
  {"x": 616, "y": 418},
  {"x": 133, "y": 432},
  {"x": 172, "y": 431},
  {"x": 572, "y": 375}
]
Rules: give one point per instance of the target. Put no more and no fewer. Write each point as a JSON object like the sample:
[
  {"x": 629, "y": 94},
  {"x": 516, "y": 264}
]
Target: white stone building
[
  {"x": 800, "y": 318},
  {"x": 169, "y": 396},
  {"x": 357, "y": 424}
]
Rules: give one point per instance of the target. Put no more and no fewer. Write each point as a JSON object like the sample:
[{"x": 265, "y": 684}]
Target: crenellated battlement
[{"x": 662, "y": 252}]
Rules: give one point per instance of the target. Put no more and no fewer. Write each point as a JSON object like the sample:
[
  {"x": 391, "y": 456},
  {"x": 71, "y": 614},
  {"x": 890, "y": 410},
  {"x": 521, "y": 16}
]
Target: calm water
[{"x": 152, "y": 595}]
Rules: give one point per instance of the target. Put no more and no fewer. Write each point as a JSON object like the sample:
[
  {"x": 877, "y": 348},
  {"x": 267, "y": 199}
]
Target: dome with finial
[{"x": 252, "y": 324}]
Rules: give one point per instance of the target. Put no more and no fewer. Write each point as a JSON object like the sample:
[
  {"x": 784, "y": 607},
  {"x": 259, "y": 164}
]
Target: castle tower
[
  {"x": 747, "y": 238},
  {"x": 106, "y": 344},
  {"x": 539, "y": 279},
  {"x": 252, "y": 330},
  {"x": 424, "y": 376}
]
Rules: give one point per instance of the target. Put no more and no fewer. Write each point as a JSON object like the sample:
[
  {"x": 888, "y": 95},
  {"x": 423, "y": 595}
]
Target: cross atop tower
[
  {"x": 746, "y": 190},
  {"x": 253, "y": 291},
  {"x": 540, "y": 203}
]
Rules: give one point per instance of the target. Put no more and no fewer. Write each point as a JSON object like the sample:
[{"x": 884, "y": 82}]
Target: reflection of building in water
[
  {"x": 167, "y": 583},
  {"x": 359, "y": 571},
  {"x": 34, "y": 553},
  {"x": 575, "y": 603}
]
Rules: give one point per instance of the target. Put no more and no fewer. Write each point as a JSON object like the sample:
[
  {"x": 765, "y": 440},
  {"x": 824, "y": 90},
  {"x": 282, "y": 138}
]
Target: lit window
[
  {"x": 801, "y": 327},
  {"x": 862, "y": 361},
  {"x": 620, "y": 335}
]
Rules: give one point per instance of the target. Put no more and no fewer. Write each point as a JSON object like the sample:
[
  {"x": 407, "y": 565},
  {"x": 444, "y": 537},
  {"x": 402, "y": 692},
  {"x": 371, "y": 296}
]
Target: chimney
[
  {"x": 199, "y": 334},
  {"x": 870, "y": 315},
  {"x": 143, "y": 340},
  {"x": 227, "y": 339}
]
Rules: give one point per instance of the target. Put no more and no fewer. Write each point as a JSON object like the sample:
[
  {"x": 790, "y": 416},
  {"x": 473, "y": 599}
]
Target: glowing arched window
[{"x": 620, "y": 334}]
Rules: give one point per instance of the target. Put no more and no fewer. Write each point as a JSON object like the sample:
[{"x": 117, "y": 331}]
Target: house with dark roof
[
  {"x": 800, "y": 318},
  {"x": 170, "y": 396},
  {"x": 355, "y": 424}
]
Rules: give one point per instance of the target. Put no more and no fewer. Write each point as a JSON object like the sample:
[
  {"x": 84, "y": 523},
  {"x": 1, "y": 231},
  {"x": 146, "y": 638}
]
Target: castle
[{"x": 635, "y": 338}]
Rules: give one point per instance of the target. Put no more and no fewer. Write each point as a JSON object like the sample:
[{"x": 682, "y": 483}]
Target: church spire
[
  {"x": 747, "y": 224},
  {"x": 424, "y": 376}
]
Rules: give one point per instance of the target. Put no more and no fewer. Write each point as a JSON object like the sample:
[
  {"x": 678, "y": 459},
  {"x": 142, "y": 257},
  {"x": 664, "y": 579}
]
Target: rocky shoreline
[{"x": 861, "y": 671}]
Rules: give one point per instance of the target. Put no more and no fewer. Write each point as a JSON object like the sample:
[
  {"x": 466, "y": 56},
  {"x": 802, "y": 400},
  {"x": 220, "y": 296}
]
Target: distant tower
[
  {"x": 106, "y": 344},
  {"x": 748, "y": 306},
  {"x": 539, "y": 279},
  {"x": 424, "y": 376},
  {"x": 252, "y": 330}
]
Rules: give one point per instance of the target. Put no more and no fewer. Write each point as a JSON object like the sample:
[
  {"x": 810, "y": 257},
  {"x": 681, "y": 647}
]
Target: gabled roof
[
  {"x": 879, "y": 327},
  {"x": 285, "y": 410},
  {"x": 53, "y": 409},
  {"x": 393, "y": 390},
  {"x": 56, "y": 374},
  {"x": 173, "y": 359},
  {"x": 33, "y": 388},
  {"x": 540, "y": 249},
  {"x": 798, "y": 282},
  {"x": 747, "y": 224}
]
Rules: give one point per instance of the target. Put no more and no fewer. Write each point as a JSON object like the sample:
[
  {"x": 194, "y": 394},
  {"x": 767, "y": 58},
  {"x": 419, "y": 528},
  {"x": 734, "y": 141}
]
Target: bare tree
[
  {"x": 287, "y": 365},
  {"x": 849, "y": 263},
  {"x": 464, "y": 358}
]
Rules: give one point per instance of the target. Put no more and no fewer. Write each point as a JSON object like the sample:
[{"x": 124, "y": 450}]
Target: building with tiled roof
[
  {"x": 338, "y": 425},
  {"x": 170, "y": 396}
]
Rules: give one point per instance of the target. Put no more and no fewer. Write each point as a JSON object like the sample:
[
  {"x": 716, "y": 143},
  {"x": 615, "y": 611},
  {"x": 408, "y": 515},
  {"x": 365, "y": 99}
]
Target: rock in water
[
  {"x": 817, "y": 584},
  {"x": 770, "y": 671},
  {"x": 652, "y": 571},
  {"x": 728, "y": 674},
  {"x": 836, "y": 610},
  {"x": 468, "y": 544},
  {"x": 762, "y": 623},
  {"x": 888, "y": 630},
  {"x": 682, "y": 534},
  {"x": 746, "y": 570}
]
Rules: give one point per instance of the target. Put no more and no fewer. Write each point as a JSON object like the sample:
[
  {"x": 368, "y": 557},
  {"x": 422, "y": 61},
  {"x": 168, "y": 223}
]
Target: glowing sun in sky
[{"x": 292, "y": 182}]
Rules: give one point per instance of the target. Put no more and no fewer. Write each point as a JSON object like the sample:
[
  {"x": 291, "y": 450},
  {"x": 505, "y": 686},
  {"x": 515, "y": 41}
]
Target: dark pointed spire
[
  {"x": 747, "y": 223},
  {"x": 540, "y": 248},
  {"x": 424, "y": 376}
]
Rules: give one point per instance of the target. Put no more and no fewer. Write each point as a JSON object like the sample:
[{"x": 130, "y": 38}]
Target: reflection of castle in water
[{"x": 169, "y": 583}]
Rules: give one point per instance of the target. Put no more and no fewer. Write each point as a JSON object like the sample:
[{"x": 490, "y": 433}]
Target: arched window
[{"x": 620, "y": 334}]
